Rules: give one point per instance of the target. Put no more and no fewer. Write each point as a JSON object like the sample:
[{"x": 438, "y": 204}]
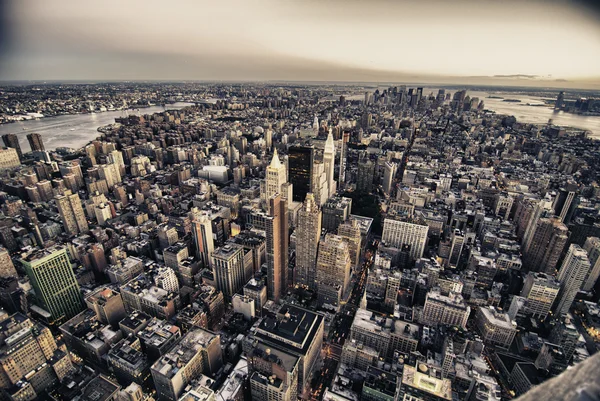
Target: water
[
  {"x": 73, "y": 131},
  {"x": 537, "y": 114}
]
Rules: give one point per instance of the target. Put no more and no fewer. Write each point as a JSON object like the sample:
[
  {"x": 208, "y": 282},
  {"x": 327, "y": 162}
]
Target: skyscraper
[
  {"x": 203, "y": 237},
  {"x": 333, "y": 269},
  {"x": 35, "y": 141},
  {"x": 307, "y": 242},
  {"x": 592, "y": 247},
  {"x": 364, "y": 180},
  {"x": 399, "y": 234},
  {"x": 350, "y": 231},
  {"x": 71, "y": 213},
  {"x": 329, "y": 163},
  {"x": 54, "y": 282},
  {"x": 228, "y": 269},
  {"x": 318, "y": 185},
  {"x": 342, "y": 175},
  {"x": 548, "y": 240},
  {"x": 275, "y": 178},
  {"x": 571, "y": 275},
  {"x": 12, "y": 141},
  {"x": 389, "y": 170},
  {"x": 541, "y": 290},
  {"x": 300, "y": 164},
  {"x": 277, "y": 247}
]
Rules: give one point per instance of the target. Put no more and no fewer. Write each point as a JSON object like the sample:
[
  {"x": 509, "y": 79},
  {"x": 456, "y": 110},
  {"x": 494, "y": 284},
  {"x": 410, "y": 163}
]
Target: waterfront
[{"x": 74, "y": 130}]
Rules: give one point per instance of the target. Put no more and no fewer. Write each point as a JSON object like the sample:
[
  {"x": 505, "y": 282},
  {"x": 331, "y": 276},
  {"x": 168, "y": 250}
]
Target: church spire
[{"x": 329, "y": 145}]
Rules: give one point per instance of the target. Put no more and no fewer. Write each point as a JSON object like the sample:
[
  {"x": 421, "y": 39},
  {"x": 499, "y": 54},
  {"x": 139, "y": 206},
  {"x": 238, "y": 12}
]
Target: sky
[{"x": 541, "y": 43}]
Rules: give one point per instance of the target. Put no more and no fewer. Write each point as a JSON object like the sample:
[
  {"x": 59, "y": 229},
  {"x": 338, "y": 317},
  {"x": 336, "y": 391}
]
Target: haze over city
[{"x": 539, "y": 43}]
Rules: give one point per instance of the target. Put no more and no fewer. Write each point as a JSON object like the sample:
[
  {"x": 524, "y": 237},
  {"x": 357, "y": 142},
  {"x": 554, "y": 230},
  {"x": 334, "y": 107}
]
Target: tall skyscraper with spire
[
  {"x": 307, "y": 242},
  {"x": 275, "y": 178},
  {"x": 329, "y": 162}
]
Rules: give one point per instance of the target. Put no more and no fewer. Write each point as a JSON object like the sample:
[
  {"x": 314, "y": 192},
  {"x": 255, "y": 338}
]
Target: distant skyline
[{"x": 521, "y": 43}]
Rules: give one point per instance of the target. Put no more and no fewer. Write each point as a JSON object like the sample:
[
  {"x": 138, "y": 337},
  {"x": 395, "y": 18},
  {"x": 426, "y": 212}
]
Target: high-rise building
[
  {"x": 318, "y": 186},
  {"x": 300, "y": 165},
  {"x": 350, "y": 231},
  {"x": 203, "y": 237},
  {"x": 572, "y": 273},
  {"x": 12, "y": 141},
  {"x": 275, "y": 178},
  {"x": 35, "y": 142},
  {"x": 541, "y": 290},
  {"x": 166, "y": 279},
  {"x": 548, "y": 240},
  {"x": 333, "y": 269},
  {"x": 273, "y": 374},
  {"x": 277, "y": 247},
  {"x": 495, "y": 327},
  {"x": 54, "y": 282},
  {"x": 540, "y": 209},
  {"x": 563, "y": 202},
  {"x": 71, "y": 213},
  {"x": 366, "y": 172},
  {"x": 294, "y": 330},
  {"x": 342, "y": 175},
  {"x": 199, "y": 351},
  {"x": 7, "y": 268},
  {"x": 389, "y": 171},
  {"x": 592, "y": 247},
  {"x": 441, "y": 309},
  {"x": 411, "y": 235},
  {"x": 423, "y": 383},
  {"x": 228, "y": 269},
  {"x": 335, "y": 212},
  {"x": 565, "y": 334},
  {"x": 308, "y": 234},
  {"x": 9, "y": 158},
  {"x": 329, "y": 163}
]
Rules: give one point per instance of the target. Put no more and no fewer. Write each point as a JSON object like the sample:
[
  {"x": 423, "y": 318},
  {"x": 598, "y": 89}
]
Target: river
[{"x": 74, "y": 130}]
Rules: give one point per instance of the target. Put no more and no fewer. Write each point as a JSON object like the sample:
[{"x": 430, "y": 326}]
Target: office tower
[
  {"x": 307, "y": 243},
  {"x": 540, "y": 290},
  {"x": 329, "y": 164},
  {"x": 275, "y": 178},
  {"x": 563, "y": 203},
  {"x": 423, "y": 383},
  {"x": 12, "y": 141},
  {"x": 376, "y": 332},
  {"x": 203, "y": 237},
  {"x": 540, "y": 209},
  {"x": 55, "y": 285},
  {"x": 318, "y": 185},
  {"x": 366, "y": 172},
  {"x": 572, "y": 273},
  {"x": 565, "y": 334},
  {"x": 107, "y": 304},
  {"x": 350, "y": 231},
  {"x": 294, "y": 330},
  {"x": 7, "y": 268},
  {"x": 560, "y": 100},
  {"x": 333, "y": 270},
  {"x": 389, "y": 171},
  {"x": 300, "y": 165},
  {"x": 399, "y": 234},
  {"x": 273, "y": 374},
  {"x": 35, "y": 142},
  {"x": 592, "y": 247},
  {"x": 228, "y": 269},
  {"x": 548, "y": 241},
  {"x": 9, "y": 158},
  {"x": 277, "y": 247},
  {"x": 71, "y": 213},
  {"x": 335, "y": 212},
  {"x": 115, "y": 157},
  {"x": 342, "y": 175},
  {"x": 31, "y": 361},
  {"x": 457, "y": 241},
  {"x": 441, "y": 309},
  {"x": 495, "y": 327},
  {"x": 166, "y": 279},
  {"x": 199, "y": 351}
]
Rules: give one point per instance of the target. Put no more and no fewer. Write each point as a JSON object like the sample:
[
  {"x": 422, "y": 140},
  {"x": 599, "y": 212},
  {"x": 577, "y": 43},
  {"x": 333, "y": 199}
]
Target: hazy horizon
[{"x": 553, "y": 44}]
